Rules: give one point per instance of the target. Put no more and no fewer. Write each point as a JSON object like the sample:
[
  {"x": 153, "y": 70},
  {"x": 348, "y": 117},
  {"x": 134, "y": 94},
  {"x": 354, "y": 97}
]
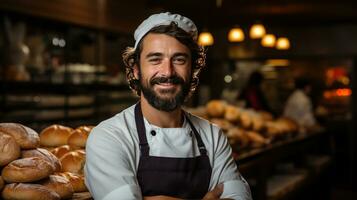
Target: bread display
[
  {"x": 9, "y": 149},
  {"x": 61, "y": 151},
  {"x": 43, "y": 153},
  {"x": 216, "y": 108},
  {"x": 78, "y": 138},
  {"x": 73, "y": 161},
  {"x": 76, "y": 180},
  {"x": 24, "y": 136},
  {"x": 27, "y": 170},
  {"x": 60, "y": 185},
  {"x": 28, "y": 191},
  {"x": 55, "y": 135}
]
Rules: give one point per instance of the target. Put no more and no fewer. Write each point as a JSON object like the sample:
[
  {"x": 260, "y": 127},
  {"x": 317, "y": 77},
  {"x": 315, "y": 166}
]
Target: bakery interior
[{"x": 61, "y": 73}]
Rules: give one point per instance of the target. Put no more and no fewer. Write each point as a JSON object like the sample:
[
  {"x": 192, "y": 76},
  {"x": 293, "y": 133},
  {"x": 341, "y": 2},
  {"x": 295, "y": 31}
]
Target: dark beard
[{"x": 165, "y": 104}]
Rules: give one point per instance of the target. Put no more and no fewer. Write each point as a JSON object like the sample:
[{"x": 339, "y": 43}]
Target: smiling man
[{"x": 154, "y": 149}]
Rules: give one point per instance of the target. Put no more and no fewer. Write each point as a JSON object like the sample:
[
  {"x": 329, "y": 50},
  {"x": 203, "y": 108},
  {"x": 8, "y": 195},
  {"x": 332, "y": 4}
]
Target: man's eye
[
  {"x": 155, "y": 60},
  {"x": 179, "y": 61}
]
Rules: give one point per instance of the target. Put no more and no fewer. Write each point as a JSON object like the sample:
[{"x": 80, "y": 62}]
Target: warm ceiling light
[
  {"x": 205, "y": 39},
  {"x": 236, "y": 35},
  {"x": 268, "y": 40},
  {"x": 257, "y": 31},
  {"x": 283, "y": 43}
]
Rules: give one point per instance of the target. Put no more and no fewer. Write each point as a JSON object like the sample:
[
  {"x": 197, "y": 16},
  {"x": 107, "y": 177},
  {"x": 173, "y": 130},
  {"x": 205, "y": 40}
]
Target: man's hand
[{"x": 215, "y": 193}]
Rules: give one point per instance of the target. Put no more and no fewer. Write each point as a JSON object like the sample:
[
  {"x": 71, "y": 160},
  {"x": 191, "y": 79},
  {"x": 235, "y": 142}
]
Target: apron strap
[
  {"x": 140, "y": 126},
  {"x": 201, "y": 146}
]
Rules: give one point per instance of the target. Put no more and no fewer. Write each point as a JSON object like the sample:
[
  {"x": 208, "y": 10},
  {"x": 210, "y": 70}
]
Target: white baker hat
[{"x": 164, "y": 19}]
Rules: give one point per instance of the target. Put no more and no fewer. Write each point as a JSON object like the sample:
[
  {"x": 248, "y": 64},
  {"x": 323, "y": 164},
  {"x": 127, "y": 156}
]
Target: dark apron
[{"x": 186, "y": 178}]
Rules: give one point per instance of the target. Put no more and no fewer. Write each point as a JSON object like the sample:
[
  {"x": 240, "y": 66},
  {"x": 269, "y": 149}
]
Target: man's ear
[{"x": 136, "y": 71}]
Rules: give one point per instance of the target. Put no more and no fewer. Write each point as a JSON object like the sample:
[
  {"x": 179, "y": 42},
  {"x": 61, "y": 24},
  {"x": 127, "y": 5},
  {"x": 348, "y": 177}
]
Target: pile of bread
[
  {"x": 246, "y": 128},
  {"x": 47, "y": 166}
]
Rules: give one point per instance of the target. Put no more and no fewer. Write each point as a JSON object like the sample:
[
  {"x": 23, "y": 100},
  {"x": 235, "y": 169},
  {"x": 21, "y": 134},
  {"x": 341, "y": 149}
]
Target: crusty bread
[
  {"x": 61, "y": 151},
  {"x": 55, "y": 135},
  {"x": 216, "y": 108},
  {"x": 43, "y": 153},
  {"x": 24, "y": 136},
  {"x": 77, "y": 181},
  {"x": 9, "y": 149},
  {"x": 27, "y": 170},
  {"x": 60, "y": 185},
  {"x": 28, "y": 191},
  {"x": 73, "y": 161},
  {"x": 78, "y": 138}
]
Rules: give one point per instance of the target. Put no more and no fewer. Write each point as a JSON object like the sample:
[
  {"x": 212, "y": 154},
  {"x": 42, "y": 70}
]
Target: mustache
[{"x": 172, "y": 79}]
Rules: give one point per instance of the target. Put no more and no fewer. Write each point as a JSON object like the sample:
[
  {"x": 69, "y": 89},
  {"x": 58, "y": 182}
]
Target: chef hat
[{"x": 164, "y": 19}]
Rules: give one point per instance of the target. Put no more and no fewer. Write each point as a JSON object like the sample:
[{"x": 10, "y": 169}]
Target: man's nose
[{"x": 167, "y": 68}]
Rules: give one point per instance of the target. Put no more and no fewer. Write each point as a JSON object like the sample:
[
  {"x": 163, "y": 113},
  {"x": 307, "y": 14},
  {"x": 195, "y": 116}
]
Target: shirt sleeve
[
  {"x": 110, "y": 170},
  {"x": 224, "y": 170}
]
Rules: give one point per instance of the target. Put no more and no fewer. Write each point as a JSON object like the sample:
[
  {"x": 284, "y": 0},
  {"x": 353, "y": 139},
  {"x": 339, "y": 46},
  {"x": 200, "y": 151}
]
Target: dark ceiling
[{"x": 208, "y": 13}]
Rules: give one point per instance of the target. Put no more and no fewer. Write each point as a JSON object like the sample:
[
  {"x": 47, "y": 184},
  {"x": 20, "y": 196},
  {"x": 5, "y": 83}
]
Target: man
[
  {"x": 299, "y": 106},
  {"x": 154, "y": 149}
]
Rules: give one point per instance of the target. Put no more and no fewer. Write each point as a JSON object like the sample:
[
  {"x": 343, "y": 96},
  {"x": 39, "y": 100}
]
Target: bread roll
[
  {"x": 78, "y": 138},
  {"x": 60, "y": 185},
  {"x": 76, "y": 180},
  {"x": 246, "y": 120},
  {"x": 9, "y": 149},
  {"x": 239, "y": 136},
  {"x": 61, "y": 151},
  {"x": 27, "y": 170},
  {"x": 216, "y": 108},
  {"x": 232, "y": 113},
  {"x": 73, "y": 161},
  {"x": 86, "y": 129},
  {"x": 43, "y": 153},
  {"x": 256, "y": 139},
  {"x": 55, "y": 135},
  {"x": 28, "y": 191},
  {"x": 24, "y": 136},
  {"x": 1, "y": 183}
]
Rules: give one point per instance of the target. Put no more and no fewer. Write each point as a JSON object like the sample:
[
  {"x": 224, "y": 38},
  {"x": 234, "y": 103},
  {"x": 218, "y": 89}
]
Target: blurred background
[{"x": 60, "y": 63}]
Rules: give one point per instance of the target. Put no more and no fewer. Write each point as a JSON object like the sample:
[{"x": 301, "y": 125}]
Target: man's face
[{"x": 165, "y": 71}]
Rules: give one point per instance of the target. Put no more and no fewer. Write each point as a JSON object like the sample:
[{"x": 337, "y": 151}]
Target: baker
[{"x": 154, "y": 149}]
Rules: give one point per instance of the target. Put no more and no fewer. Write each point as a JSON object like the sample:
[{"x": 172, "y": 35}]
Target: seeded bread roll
[
  {"x": 61, "y": 151},
  {"x": 9, "y": 149},
  {"x": 24, "y": 136},
  {"x": 60, "y": 185},
  {"x": 27, "y": 170},
  {"x": 43, "y": 153},
  {"x": 76, "y": 180},
  {"x": 28, "y": 191},
  {"x": 73, "y": 161},
  {"x": 55, "y": 135}
]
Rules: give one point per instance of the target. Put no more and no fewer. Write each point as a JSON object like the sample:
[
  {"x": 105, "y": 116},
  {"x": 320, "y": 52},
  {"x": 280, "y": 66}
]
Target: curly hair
[{"x": 131, "y": 56}]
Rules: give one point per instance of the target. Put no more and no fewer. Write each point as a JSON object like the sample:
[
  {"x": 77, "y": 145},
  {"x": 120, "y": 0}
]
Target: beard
[{"x": 165, "y": 99}]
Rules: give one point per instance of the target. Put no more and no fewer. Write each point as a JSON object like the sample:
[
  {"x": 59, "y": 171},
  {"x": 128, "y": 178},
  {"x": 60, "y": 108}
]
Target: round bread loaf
[
  {"x": 76, "y": 180},
  {"x": 27, "y": 170},
  {"x": 232, "y": 113},
  {"x": 28, "y": 191},
  {"x": 43, "y": 153},
  {"x": 73, "y": 161},
  {"x": 1, "y": 183},
  {"x": 9, "y": 149},
  {"x": 78, "y": 138},
  {"x": 60, "y": 185},
  {"x": 216, "y": 108},
  {"x": 86, "y": 129},
  {"x": 61, "y": 151},
  {"x": 55, "y": 135},
  {"x": 24, "y": 136}
]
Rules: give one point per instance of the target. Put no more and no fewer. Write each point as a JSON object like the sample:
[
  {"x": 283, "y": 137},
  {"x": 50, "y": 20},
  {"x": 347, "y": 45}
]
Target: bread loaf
[
  {"x": 43, "y": 153},
  {"x": 24, "y": 136},
  {"x": 55, "y": 135},
  {"x": 28, "y": 191},
  {"x": 78, "y": 138},
  {"x": 73, "y": 161},
  {"x": 9, "y": 149},
  {"x": 77, "y": 181},
  {"x": 26, "y": 170},
  {"x": 216, "y": 108},
  {"x": 61, "y": 151},
  {"x": 60, "y": 185}
]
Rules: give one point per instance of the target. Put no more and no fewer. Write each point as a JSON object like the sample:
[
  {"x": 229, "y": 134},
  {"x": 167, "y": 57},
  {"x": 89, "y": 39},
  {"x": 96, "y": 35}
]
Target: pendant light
[
  {"x": 268, "y": 40},
  {"x": 257, "y": 31},
  {"x": 205, "y": 39},
  {"x": 236, "y": 35},
  {"x": 283, "y": 43}
]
